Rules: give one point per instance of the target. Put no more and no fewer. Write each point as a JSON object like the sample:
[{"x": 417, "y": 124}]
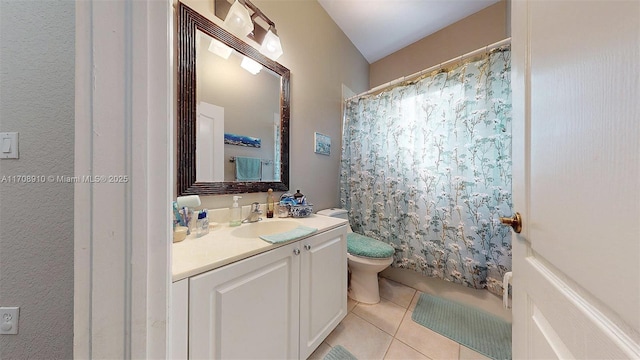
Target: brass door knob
[{"x": 515, "y": 222}]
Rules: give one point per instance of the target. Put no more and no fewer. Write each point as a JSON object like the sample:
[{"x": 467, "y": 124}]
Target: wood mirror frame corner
[{"x": 188, "y": 22}]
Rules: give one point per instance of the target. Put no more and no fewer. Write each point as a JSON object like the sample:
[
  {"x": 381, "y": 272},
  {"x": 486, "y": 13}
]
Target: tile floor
[{"x": 386, "y": 331}]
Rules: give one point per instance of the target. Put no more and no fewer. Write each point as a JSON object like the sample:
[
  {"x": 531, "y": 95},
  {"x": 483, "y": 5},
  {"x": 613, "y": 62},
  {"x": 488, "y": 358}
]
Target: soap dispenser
[{"x": 235, "y": 216}]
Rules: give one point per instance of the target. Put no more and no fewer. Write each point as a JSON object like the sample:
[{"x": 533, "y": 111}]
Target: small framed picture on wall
[{"x": 322, "y": 144}]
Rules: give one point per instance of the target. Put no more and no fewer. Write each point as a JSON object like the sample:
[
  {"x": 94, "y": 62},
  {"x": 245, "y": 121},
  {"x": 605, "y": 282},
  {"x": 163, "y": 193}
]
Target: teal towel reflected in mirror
[
  {"x": 248, "y": 169},
  {"x": 296, "y": 233}
]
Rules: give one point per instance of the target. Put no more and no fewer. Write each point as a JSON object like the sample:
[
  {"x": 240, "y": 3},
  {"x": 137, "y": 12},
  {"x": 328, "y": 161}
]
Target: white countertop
[{"x": 195, "y": 255}]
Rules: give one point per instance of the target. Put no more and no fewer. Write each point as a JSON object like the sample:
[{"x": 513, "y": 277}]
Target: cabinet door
[
  {"x": 248, "y": 309},
  {"x": 323, "y": 287}
]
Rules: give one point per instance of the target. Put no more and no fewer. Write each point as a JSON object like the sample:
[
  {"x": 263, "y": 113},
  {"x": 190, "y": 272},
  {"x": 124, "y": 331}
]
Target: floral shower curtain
[{"x": 426, "y": 167}]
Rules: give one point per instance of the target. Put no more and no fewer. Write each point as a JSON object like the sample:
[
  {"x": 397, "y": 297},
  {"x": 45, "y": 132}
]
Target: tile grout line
[
  {"x": 377, "y": 327},
  {"x": 407, "y": 345},
  {"x": 415, "y": 293},
  {"x": 396, "y": 330},
  {"x": 393, "y": 336}
]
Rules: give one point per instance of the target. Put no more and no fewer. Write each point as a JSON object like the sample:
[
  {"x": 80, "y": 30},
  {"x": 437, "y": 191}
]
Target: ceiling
[{"x": 381, "y": 27}]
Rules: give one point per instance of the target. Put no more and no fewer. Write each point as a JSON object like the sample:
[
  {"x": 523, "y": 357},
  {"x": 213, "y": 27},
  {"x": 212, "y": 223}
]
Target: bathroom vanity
[{"x": 235, "y": 295}]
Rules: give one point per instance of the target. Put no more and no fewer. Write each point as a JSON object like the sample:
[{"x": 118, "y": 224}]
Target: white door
[
  {"x": 248, "y": 309},
  {"x": 576, "y": 162},
  {"x": 323, "y": 287},
  {"x": 210, "y": 142}
]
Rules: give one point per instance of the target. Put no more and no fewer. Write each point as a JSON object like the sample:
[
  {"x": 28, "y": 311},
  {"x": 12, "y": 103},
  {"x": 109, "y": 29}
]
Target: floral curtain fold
[{"x": 426, "y": 167}]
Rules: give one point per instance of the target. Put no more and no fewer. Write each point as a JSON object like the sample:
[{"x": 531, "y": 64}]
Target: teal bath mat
[
  {"x": 339, "y": 353},
  {"x": 473, "y": 328}
]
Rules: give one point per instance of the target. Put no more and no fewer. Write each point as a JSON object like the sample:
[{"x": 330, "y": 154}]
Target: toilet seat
[
  {"x": 361, "y": 260},
  {"x": 364, "y": 246}
]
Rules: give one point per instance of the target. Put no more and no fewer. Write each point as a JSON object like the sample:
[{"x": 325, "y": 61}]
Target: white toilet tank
[{"x": 337, "y": 213}]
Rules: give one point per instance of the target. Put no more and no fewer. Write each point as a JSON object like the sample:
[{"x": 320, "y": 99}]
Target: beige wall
[
  {"x": 321, "y": 58},
  {"x": 37, "y": 51},
  {"x": 473, "y": 32}
]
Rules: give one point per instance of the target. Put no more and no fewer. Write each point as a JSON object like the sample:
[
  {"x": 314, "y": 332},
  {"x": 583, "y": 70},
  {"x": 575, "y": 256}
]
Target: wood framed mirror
[{"x": 195, "y": 32}]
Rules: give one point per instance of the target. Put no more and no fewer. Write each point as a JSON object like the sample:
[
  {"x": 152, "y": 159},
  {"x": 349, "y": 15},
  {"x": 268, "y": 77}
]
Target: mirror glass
[
  {"x": 233, "y": 118},
  {"x": 237, "y": 116}
]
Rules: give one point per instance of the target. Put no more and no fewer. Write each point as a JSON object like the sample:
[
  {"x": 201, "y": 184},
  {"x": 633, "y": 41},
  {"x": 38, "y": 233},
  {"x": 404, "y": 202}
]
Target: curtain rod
[{"x": 433, "y": 68}]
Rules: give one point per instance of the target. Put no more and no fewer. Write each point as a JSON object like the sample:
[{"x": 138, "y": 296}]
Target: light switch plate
[
  {"x": 9, "y": 317},
  {"x": 9, "y": 145}
]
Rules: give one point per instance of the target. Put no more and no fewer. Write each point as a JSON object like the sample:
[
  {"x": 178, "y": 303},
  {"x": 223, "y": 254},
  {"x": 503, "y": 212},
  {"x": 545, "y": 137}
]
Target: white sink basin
[{"x": 254, "y": 230}]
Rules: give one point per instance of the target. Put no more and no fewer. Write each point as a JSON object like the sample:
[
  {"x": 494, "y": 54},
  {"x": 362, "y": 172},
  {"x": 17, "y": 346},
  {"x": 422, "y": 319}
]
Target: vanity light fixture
[
  {"x": 250, "y": 65},
  {"x": 220, "y": 49},
  {"x": 271, "y": 46},
  {"x": 238, "y": 20},
  {"x": 263, "y": 32}
]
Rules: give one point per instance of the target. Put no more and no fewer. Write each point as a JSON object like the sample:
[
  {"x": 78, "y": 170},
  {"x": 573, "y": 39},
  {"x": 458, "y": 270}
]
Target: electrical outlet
[{"x": 9, "y": 320}]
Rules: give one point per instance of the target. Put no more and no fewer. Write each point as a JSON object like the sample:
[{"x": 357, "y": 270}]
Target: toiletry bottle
[
  {"x": 271, "y": 203},
  {"x": 235, "y": 216},
  {"x": 298, "y": 197},
  {"x": 202, "y": 225},
  {"x": 189, "y": 221}
]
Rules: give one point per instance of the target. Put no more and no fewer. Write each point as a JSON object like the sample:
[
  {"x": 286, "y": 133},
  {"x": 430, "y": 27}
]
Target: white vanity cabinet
[
  {"x": 279, "y": 304},
  {"x": 323, "y": 287},
  {"x": 248, "y": 309}
]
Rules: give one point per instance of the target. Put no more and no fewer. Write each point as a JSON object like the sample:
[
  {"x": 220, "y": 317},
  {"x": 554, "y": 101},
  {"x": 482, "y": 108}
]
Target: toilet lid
[{"x": 360, "y": 245}]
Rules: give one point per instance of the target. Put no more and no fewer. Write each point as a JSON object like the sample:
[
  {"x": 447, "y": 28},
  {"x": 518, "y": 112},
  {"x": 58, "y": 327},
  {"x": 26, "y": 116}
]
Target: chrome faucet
[{"x": 254, "y": 214}]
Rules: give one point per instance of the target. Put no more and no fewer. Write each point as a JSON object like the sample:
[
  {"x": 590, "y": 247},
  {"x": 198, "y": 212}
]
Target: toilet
[{"x": 366, "y": 257}]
